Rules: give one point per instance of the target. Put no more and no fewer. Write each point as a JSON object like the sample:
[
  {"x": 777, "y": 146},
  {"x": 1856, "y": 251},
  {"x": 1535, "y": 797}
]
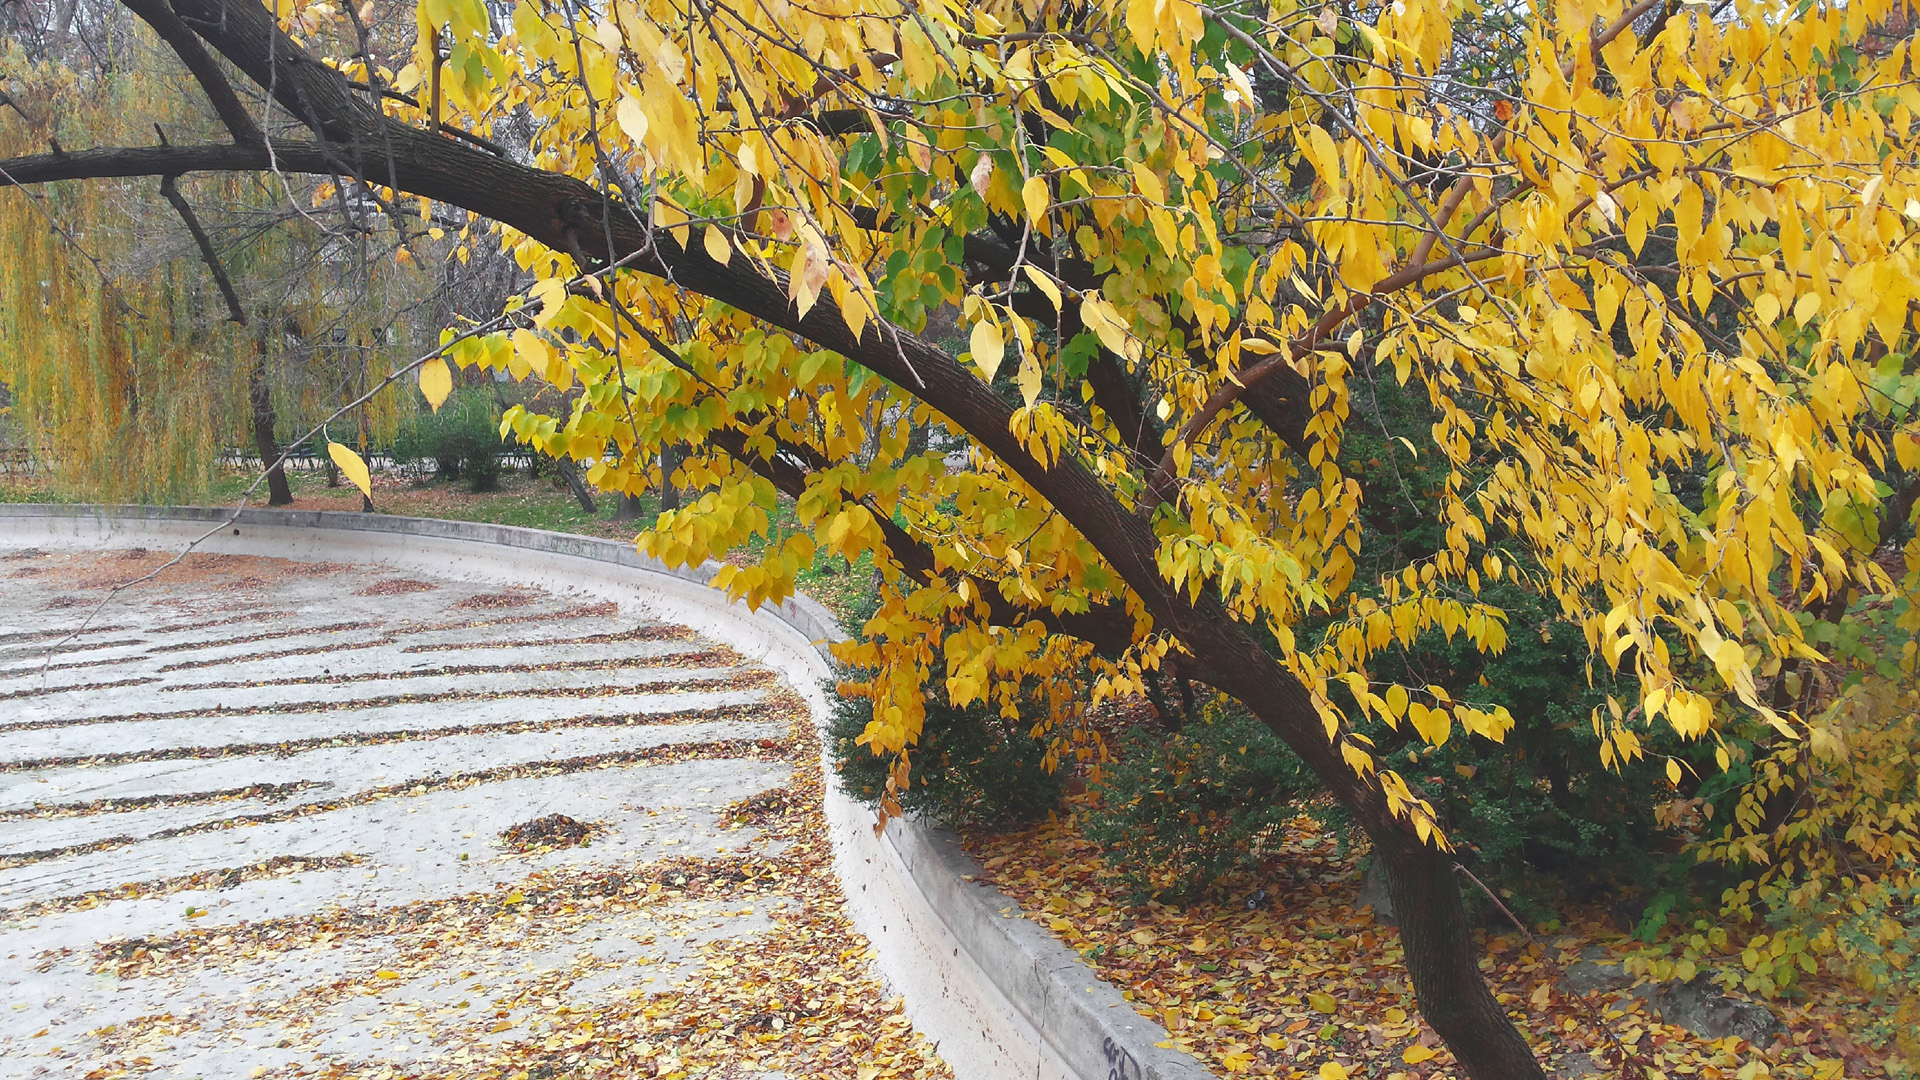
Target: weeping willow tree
[
  {"x": 141, "y": 338},
  {"x": 118, "y": 362}
]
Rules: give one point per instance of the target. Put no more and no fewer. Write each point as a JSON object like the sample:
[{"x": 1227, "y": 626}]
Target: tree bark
[
  {"x": 671, "y": 456},
  {"x": 629, "y": 509},
  {"x": 564, "y": 466},
  {"x": 279, "y": 492}
]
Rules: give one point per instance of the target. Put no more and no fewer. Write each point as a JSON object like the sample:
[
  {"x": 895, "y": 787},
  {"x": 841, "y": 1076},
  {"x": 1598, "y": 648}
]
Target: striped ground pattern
[{"x": 260, "y": 817}]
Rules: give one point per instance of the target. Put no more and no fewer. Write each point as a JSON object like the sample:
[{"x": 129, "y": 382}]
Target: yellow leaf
[
  {"x": 1322, "y": 1003},
  {"x": 807, "y": 273},
  {"x": 1320, "y": 150},
  {"x": 1029, "y": 378},
  {"x": 1333, "y": 1070},
  {"x": 515, "y": 897},
  {"x": 1148, "y": 183},
  {"x": 351, "y": 467},
  {"x": 632, "y": 118},
  {"x": 551, "y": 293},
  {"x": 386, "y": 973},
  {"x": 1044, "y": 283},
  {"x": 436, "y": 381},
  {"x": 1564, "y": 325},
  {"x": 1238, "y": 1061},
  {"x": 717, "y": 247},
  {"x": 1434, "y": 725},
  {"x": 1101, "y": 318},
  {"x": 1673, "y": 772},
  {"x": 530, "y": 354},
  {"x": 1606, "y": 304},
  {"x": 988, "y": 347},
  {"x": 1415, "y": 1054},
  {"x": 1037, "y": 199}
]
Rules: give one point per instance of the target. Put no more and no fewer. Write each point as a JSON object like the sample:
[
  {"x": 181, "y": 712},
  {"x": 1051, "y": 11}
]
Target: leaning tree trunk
[
  {"x": 279, "y": 493},
  {"x": 564, "y": 466},
  {"x": 1441, "y": 959},
  {"x": 1453, "y": 995}
]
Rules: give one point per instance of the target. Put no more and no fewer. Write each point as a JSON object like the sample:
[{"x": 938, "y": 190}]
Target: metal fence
[{"x": 304, "y": 460}]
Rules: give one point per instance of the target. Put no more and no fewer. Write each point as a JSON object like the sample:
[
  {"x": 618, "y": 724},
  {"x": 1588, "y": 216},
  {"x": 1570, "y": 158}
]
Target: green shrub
[
  {"x": 462, "y": 439},
  {"x": 971, "y": 767},
  {"x": 1180, "y": 811}
]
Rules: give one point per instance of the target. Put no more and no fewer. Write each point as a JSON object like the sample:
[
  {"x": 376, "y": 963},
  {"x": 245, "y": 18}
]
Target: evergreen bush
[
  {"x": 1178, "y": 812},
  {"x": 462, "y": 439},
  {"x": 972, "y": 766}
]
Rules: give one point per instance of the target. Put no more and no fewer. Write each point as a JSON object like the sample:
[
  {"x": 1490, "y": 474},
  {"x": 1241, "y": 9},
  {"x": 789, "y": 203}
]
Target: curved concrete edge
[{"x": 992, "y": 989}]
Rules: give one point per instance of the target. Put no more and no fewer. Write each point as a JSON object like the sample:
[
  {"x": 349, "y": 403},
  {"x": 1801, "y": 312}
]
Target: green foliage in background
[
  {"x": 1179, "y": 812},
  {"x": 972, "y": 767},
  {"x": 462, "y": 439}
]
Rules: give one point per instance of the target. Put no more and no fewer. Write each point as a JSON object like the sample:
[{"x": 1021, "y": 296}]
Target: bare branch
[{"x": 171, "y": 192}]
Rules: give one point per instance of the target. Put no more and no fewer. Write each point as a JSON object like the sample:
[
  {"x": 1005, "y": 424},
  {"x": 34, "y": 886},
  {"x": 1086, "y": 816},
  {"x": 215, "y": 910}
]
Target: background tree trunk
[
  {"x": 564, "y": 466},
  {"x": 279, "y": 492},
  {"x": 629, "y": 509},
  {"x": 671, "y": 456}
]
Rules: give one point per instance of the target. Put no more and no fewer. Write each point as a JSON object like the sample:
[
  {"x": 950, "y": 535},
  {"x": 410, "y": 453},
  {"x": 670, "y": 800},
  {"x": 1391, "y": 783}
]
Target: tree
[
  {"x": 167, "y": 293},
  {"x": 1177, "y": 233}
]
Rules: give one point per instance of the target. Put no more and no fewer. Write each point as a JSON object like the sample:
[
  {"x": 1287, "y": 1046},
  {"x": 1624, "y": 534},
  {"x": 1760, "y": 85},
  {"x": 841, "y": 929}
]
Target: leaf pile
[
  {"x": 396, "y": 587},
  {"x": 546, "y": 833},
  {"x": 1290, "y": 980}
]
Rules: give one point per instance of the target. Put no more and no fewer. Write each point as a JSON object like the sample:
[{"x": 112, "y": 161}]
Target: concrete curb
[{"x": 995, "y": 991}]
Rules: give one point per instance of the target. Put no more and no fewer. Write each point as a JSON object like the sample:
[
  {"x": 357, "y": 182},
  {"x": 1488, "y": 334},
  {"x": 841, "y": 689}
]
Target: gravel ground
[{"x": 263, "y": 818}]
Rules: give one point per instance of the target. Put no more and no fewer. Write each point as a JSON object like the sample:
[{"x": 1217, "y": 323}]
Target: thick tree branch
[
  {"x": 159, "y": 15},
  {"x": 114, "y": 162}
]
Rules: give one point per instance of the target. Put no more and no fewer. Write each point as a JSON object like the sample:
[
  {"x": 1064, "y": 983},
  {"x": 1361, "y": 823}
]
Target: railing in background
[
  {"x": 16, "y": 461},
  {"x": 304, "y": 461}
]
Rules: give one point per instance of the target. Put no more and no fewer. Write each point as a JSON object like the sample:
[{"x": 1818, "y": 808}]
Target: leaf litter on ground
[{"x": 1301, "y": 984}]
